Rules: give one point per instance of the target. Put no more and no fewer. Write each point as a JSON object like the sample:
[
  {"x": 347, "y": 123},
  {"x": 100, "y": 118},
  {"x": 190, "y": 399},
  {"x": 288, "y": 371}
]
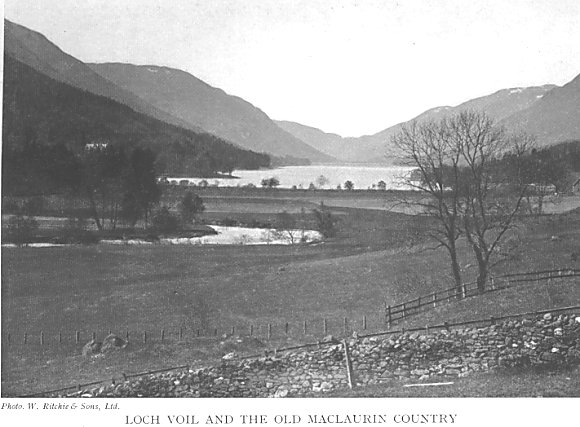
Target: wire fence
[
  {"x": 426, "y": 329},
  {"x": 288, "y": 330}
]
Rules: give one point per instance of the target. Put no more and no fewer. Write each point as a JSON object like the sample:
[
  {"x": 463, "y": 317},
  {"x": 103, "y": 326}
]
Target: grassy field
[
  {"x": 377, "y": 257},
  {"x": 506, "y": 383}
]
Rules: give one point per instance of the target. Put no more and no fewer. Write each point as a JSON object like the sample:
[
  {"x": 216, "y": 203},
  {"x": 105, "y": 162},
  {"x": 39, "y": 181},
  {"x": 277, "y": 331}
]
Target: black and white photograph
[{"x": 289, "y": 199}]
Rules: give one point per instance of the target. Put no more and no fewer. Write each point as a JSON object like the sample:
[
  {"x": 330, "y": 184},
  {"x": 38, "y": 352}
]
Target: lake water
[{"x": 363, "y": 177}]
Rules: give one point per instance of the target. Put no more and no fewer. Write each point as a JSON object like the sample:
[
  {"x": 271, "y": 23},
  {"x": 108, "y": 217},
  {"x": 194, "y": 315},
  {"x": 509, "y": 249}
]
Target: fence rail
[
  {"x": 298, "y": 329},
  {"x": 405, "y": 309},
  {"x": 445, "y": 325}
]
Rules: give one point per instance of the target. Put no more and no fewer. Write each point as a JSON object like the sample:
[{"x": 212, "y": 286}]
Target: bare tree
[
  {"x": 455, "y": 166},
  {"x": 428, "y": 148},
  {"x": 322, "y": 181},
  {"x": 285, "y": 228},
  {"x": 487, "y": 211}
]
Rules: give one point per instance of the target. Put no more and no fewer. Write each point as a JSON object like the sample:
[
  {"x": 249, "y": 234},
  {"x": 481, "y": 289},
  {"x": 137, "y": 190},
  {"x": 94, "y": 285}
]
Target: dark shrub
[{"x": 164, "y": 221}]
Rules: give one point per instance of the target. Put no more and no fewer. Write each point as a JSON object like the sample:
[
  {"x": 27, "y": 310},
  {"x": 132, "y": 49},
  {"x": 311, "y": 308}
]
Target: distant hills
[
  {"x": 169, "y": 95},
  {"x": 179, "y": 99},
  {"x": 553, "y": 118},
  {"x": 38, "y": 110},
  {"x": 551, "y": 113},
  {"x": 36, "y": 51},
  {"x": 188, "y": 98}
]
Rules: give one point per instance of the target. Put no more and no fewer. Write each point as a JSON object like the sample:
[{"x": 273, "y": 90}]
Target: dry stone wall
[{"x": 548, "y": 339}]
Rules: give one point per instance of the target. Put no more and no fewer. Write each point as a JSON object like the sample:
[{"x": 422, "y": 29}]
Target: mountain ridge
[
  {"x": 37, "y": 51},
  {"x": 39, "y": 110},
  {"x": 190, "y": 99},
  {"x": 505, "y": 106}
]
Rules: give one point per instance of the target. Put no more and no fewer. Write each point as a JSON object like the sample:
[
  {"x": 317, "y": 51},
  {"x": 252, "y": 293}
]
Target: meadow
[{"x": 378, "y": 257}]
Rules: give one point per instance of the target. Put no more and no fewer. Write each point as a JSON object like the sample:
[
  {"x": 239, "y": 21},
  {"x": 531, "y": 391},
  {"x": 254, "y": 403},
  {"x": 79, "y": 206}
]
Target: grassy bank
[{"x": 376, "y": 257}]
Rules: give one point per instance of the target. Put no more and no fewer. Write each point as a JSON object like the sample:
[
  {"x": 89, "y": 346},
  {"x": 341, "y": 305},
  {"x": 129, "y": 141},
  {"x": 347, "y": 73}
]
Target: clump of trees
[
  {"x": 456, "y": 160},
  {"x": 326, "y": 224},
  {"x": 539, "y": 172},
  {"x": 118, "y": 185},
  {"x": 272, "y": 182},
  {"x": 191, "y": 205},
  {"x": 348, "y": 185},
  {"x": 164, "y": 221}
]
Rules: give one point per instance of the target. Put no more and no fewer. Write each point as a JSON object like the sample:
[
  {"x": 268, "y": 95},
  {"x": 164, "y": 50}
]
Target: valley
[{"x": 144, "y": 207}]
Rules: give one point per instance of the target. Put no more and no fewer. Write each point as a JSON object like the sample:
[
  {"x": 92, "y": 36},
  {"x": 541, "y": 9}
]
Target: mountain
[
  {"x": 36, "y": 51},
  {"x": 553, "y": 118},
  {"x": 329, "y": 143},
  {"x": 376, "y": 148},
  {"x": 38, "y": 110},
  {"x": 190, "y": 99}
]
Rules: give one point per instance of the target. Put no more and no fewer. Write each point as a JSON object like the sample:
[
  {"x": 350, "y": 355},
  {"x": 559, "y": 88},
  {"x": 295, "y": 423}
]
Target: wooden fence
[
  {"x": 408, "y": 308},
  {"x": 299, "y": 330}
]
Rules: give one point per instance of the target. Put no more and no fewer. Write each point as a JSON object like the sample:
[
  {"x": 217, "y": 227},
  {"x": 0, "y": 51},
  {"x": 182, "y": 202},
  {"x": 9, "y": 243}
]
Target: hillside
[
  {"x": 39, "y": 53},
  {"x": 553, "y": 118},
  {"x": 40, "y": 110},
  {"x": 188, "y": 98},
  {"x": 547, "y": 111}
]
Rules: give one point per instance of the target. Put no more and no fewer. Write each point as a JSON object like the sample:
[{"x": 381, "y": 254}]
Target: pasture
[{"x": 377, "y": 257}]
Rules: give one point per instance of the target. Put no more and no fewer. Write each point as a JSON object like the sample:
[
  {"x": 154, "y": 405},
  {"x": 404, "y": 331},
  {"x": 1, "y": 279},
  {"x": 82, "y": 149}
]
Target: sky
[{"x": 345, "y": 66}]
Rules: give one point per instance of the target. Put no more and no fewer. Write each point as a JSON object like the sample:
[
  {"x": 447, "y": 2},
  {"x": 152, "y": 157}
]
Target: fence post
[
  {"x": 251, "y": 330},
  {"x": 492, "y": 320},
  {"x": 180, "y": 334},
  {"x": 304, "y": 327},
  {"x": 404, "y": 310},
  {"x": 25, "y": 337},
  {"x": 77, "y": 337},
  {"x": 198, "y": 332},
  {"x": 269, "y": 331},
  {"x": 446, "y": 324},
  {"x": 448, "y": 295},
  {"x": 464, "y": 290},
  {"x": 41, "y": 338},
  {"x": 434, "y": 299},
  {"x": 389, "y": 316},
  {"x": 286, "y": 328},
  {"x": 492, "y": 284},
  {"x": 59, "y": 337},
  {"x": 348, "y": 362},
  {"x": 127, "y": 335},
  {"x": 345, "y": 326},
  {"x": 94, "y": 336},
  {"x": 233, "y": 330},
  {"x": 162, "y": 335},
  {"x": 325, "y": 326},
  {"x": 364, "y": 323},
  {"x": 215, "y": 332}
]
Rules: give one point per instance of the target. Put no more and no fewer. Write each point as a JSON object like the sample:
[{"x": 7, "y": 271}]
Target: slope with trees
[
  {"x": 41, "y": 114},
  {"x": 455, "y": 159}
]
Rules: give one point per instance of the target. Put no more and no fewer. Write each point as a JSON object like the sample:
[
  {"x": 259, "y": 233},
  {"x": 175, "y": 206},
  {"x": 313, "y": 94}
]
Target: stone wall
[{"x": 549, "y": 339}]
